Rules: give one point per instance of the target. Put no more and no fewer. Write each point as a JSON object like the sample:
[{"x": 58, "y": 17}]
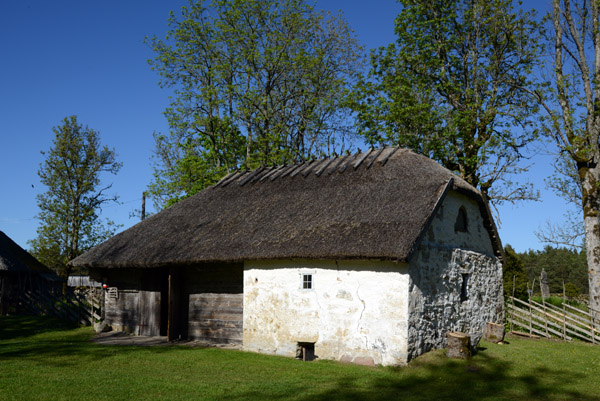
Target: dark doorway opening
[
  {"x": 164, "y": 301},
  {"x": 178, "y": 307}
]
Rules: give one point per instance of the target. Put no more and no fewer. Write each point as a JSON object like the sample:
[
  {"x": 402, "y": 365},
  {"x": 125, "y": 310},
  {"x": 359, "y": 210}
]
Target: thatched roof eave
[{"x": 372, "y": 205}]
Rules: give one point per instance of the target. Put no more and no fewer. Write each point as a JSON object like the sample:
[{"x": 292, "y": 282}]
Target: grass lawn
[{"x": 42, "y": 359}]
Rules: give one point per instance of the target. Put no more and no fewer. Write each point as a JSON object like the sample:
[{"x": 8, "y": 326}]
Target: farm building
[
  {"x": 367, "y": 258},
  {"x": 21, "y": 274}
]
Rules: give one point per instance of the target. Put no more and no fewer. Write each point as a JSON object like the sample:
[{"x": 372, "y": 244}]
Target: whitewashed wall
[
  {"x": 357, "y": 311},
  {"x": 441, "y": 231},
  {"x": 437, "y": 273}
]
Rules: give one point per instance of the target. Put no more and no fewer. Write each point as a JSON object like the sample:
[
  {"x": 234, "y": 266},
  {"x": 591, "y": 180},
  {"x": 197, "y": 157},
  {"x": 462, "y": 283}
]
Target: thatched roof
[
  {"x": 14, "y": 259},
  {"x": 373, "y": 205}
]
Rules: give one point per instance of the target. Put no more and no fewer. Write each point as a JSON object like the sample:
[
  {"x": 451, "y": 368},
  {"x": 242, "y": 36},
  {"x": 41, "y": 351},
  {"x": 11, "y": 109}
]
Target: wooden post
[
  {"x": 170, "y": 312},
  {"x": 103, "y": 304},
  {"x": 514, "y": 285},
  {"x": 545, "y": 316},
  {"x": 459, "y": 345},
  {"x": 529, "y": 302},
  {"x": 143, "y": 205},
  {"x": 592, "y": 328},
  {"x": 564, "y": 322},
  {"x": 512, "y": 301}
]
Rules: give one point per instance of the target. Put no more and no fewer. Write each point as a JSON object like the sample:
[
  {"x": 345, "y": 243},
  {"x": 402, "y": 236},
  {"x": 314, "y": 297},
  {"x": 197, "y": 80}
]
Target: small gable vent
[{"x": 461, "y": 224}]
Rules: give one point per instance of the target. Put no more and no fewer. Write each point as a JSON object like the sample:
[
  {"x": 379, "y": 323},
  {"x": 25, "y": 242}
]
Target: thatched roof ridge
[
  {"x": 14, "y": 259},
  {"x": 371, "y": 205}
]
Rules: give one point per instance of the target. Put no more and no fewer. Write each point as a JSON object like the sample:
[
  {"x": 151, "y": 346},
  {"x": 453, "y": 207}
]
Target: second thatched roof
[
  {"x": 372, "y": 205},
  {"x": 14, "y": 259}
]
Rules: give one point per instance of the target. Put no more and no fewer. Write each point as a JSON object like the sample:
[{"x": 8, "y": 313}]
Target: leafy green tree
[
  {"x": 69, "y": 220},
  {"x": 452, "y": 87},
  {"x": 562, "y": 265},
  {"x": 256, "y": 82},
  {"x": 515, "y": 276}
]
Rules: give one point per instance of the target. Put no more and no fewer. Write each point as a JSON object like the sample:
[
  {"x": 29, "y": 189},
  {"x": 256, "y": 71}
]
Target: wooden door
[{"x": 150, "y": 305}]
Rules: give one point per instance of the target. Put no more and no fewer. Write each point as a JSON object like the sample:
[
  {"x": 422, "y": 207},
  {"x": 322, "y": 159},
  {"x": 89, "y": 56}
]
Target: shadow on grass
[
  {"x": 485, "y": 378},
  {"x": 432, "y": 377},
  {"x": 24, "y": 326},
  {"x": 57, "y": 343},
  {"x": 244, "y": 376}
]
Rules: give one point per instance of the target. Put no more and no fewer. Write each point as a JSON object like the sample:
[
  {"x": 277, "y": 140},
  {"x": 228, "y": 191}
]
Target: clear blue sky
[{"x": 87, "y": 58}]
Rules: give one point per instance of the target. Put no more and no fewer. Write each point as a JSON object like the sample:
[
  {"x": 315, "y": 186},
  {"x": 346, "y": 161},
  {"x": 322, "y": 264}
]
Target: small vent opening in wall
[
  {"x": 464, "y": 294},
  {"x": 305, "y": 351},
  {"x": 462, "y": 223}
]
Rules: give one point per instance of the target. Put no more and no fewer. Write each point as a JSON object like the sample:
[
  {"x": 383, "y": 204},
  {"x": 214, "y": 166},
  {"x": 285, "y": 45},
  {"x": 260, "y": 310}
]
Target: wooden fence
[
  {"x": 83, "y": 307},
  {"x": 546, "y": 320}
]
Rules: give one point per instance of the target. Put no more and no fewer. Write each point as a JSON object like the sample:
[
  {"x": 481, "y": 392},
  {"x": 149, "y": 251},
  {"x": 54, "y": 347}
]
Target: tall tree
[
  {"x": 69, "y": 219},
  {"x": 574, "y": 114},
  {"x": 515, "y": 276},
  {"x": 565, "y": 183},
  {"x": 452, "y": 87},
  {"x": 256, "y": 82}
]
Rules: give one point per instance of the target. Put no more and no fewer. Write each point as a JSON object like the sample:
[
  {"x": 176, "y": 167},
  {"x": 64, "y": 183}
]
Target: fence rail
[
  {"x": 80, "y": 307},
  {"x": 548, "y": 320}
]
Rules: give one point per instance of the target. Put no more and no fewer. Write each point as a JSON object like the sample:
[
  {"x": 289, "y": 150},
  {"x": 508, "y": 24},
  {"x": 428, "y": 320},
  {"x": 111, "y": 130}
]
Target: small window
[
  {"x": 464, "y": 294},
  {"x": 461, "y": 224},
  {"x": 307, "y": 282}
]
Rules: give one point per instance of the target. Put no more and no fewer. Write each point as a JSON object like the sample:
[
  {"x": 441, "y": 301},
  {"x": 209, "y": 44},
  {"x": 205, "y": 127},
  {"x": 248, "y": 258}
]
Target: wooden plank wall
[
  {"x": 215, "y": 303},
  {"x": 123, "y": 313}
]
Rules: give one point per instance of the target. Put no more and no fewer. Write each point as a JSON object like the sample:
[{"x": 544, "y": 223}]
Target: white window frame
[{"x": 303, "y": 274}]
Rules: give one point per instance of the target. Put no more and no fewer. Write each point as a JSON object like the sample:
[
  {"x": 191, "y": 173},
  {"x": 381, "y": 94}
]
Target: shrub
[{"x": 571, "y": 290}]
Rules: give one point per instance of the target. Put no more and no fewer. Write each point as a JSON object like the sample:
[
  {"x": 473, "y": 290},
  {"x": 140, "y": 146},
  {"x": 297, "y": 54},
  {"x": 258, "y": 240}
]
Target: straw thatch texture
[
  {"x": 13, "y": 258},
  {"x": 369, "y": 205}
]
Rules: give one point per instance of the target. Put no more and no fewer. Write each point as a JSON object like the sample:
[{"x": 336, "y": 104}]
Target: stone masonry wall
[{"x": 456, "y": 282}]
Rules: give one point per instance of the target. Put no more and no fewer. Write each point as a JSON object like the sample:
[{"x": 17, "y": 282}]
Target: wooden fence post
[
  {"x": 592, "y": 328},
  {"x": 512, "y": 300},
  {"x": 529, "y": 302},
  {"x": 545, "y": 317},
  {"x": 564, "y": 322}
]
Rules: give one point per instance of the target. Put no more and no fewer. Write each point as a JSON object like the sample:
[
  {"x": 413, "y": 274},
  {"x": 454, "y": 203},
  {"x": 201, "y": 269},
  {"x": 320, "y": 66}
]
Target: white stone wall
[
  {"x": 441, "y": 231},
  {"x": 437, "y": 272},
  {"x": 357, "y": 311}
]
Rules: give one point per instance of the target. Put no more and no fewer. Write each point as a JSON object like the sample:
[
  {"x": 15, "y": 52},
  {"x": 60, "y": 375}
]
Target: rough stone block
[
  {"x": 364, "y": 360},
  {"x": 102, "y": 327}
]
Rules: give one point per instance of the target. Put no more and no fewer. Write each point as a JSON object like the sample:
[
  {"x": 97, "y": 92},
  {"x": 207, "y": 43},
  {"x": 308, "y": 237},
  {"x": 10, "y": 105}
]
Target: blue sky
[{"x": 87, "y": 58}]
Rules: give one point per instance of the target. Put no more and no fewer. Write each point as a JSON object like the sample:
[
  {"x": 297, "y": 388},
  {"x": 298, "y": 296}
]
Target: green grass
[
  {"x": 42, "y": 359},
  {"x": 558, "y": 301}
]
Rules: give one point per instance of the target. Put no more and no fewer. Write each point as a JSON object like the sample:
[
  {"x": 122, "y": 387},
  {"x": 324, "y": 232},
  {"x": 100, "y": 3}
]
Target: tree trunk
[
  {"x": 459, "y": 345},
  {"x": 494, "y": 332},
  {"x": 591, "y": 212},
  {"x": 581, "y": 142}
]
